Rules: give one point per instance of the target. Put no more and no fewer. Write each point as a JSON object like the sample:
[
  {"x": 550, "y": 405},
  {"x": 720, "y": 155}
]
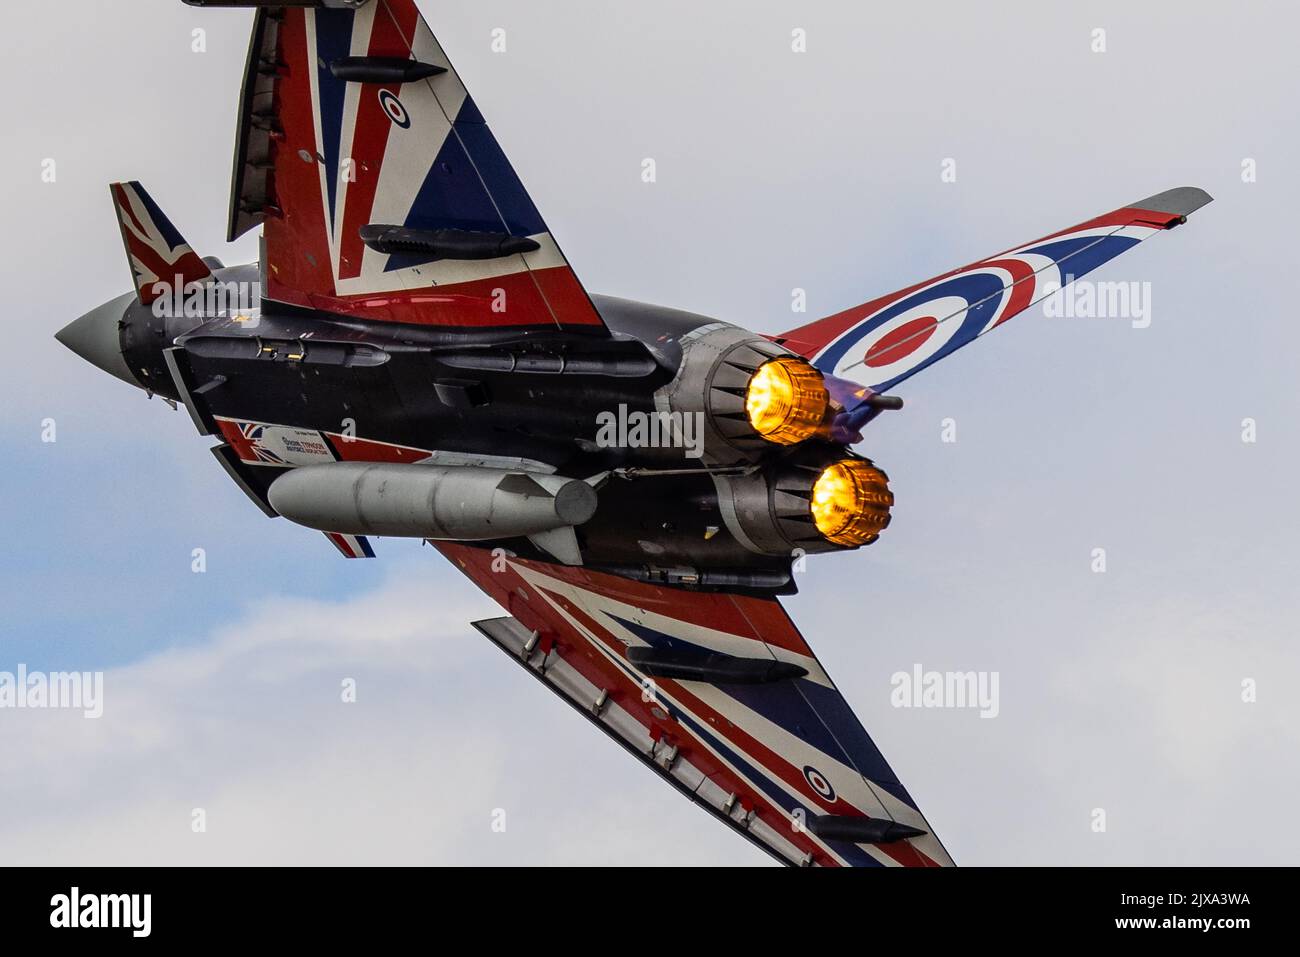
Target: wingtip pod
[
  {"x": 158, "y": 254},
  {"x": 1177, "y": 203}
]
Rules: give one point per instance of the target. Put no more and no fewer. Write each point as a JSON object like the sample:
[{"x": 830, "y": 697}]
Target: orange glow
[
  {"x": 850, "y": 502},
  {"x": 786, "y": 401}
]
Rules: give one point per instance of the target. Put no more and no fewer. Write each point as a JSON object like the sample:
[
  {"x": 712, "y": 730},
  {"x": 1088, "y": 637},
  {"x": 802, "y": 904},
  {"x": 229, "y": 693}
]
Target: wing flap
[
  {"x": 251, "y": 184},
  {"x": 659, "y": 755}
]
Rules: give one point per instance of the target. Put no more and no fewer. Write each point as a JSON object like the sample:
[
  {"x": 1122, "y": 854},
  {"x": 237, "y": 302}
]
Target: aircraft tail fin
[{"x": 160, "y": 257}]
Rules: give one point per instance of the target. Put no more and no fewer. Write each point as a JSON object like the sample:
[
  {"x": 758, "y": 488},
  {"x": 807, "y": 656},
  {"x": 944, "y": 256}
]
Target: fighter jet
[{"x": 414, "y": 357}]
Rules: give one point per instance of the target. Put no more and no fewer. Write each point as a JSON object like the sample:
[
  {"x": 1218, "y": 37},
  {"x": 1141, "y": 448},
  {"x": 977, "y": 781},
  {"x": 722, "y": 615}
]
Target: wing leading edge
[{"x": 721, "y": 696}]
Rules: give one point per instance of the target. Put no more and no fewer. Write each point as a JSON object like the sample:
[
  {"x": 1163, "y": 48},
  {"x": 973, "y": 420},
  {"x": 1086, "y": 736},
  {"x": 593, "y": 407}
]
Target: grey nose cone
[{"x": 96, "y": 338}]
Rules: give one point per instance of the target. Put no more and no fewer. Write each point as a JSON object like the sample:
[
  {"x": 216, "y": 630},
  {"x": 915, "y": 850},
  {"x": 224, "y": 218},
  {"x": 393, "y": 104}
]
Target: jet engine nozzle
[
  {"x": 462, "y": 503},
  {"x": 818, "y": 500},
  {"x": 786, "y": 400},
  {"x": 752, "y": 393},
  {"x": 850, "y": 502}
]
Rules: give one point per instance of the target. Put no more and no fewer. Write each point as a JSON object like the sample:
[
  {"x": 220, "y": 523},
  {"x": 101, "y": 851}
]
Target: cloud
[
  {"x": 1132, "y": 704},
  {"x": 249, "y": 725}
]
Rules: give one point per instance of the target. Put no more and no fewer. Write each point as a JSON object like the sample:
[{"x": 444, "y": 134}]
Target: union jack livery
[
  {"x": 423, "y": 363},
  {"x": 781, "y": 758},
  {"x": 161, "y": 260},
  {"x": 395, "y": 202}
]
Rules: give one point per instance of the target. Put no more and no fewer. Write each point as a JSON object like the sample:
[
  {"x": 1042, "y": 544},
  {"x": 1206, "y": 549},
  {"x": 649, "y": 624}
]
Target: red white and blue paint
[
  {"x": 351, "y": 546},
  {"x": 786, "y": 750},
  {"x": 883, "y": 342},
  {"x": 286, "y": 446},
  {"x": 415, "y": 154},
  {"x": 158, "y": 253}
]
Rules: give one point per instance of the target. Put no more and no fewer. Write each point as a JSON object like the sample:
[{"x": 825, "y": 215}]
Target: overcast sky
[{"x": 1120, "y": 691}]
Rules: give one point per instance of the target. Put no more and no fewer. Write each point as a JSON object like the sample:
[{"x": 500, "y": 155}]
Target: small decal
[
  {"x": 260, "y": 444},
  {"x": 392, "y": 106},
  {"x": 817, "y": 781}
]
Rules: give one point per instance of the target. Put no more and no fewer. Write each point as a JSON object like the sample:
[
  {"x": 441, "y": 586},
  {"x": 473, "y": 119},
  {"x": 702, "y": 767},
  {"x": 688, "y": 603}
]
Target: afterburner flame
[
  {"x": 850, "y": 502},
  {"x": 786, "y": 401}
]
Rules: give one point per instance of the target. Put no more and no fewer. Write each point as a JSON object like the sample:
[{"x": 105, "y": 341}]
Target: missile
[{"x": 463, "y": 503}]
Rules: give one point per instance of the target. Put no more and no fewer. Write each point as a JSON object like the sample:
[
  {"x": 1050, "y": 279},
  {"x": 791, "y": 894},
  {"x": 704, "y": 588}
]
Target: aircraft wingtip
[{"x": 1180, "y": 201}]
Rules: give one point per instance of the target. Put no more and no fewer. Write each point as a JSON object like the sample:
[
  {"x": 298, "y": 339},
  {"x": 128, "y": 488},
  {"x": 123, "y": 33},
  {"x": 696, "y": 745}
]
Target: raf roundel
[
  {"x": 900, "y": 342},
  {"x": 393, "y": 108},
  {"x": 817, "y": 781}
]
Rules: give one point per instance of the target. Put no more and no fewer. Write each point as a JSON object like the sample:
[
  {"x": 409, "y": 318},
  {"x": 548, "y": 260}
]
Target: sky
[{"x": 1120, "y": 691}]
